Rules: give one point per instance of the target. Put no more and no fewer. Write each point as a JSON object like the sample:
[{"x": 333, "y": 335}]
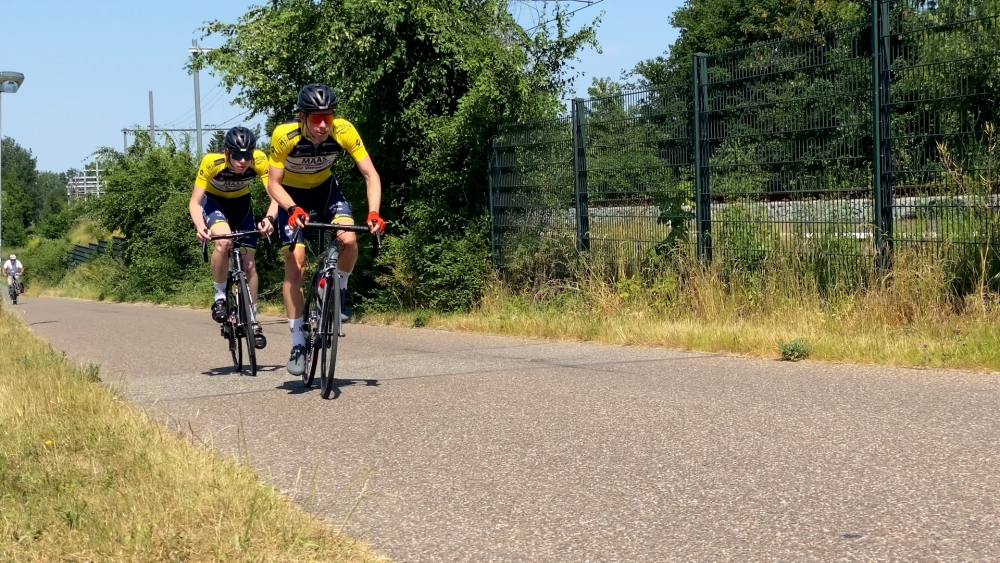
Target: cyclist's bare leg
[
  {"x": 349, "y": 246},
  {"x": 291, "y": 289},
  {"x": 220, "y": 255},
  {"x": 250, "y": 267}
]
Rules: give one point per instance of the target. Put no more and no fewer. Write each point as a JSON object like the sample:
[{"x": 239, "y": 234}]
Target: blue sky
[{"x": 89, "y": 66}]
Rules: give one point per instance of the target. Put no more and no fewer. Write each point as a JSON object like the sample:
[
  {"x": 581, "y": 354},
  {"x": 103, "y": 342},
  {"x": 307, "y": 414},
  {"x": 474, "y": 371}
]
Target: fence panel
[
  {"x": 80, "y": 254},
  {"x": 532, "y": 199},
  {"x": 639, "y": 174},
  {"x": 787, "y": 128},
  {"x": 945, "y": 105}
]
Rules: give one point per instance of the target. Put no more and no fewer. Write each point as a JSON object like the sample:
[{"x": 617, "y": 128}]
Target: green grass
[{"x": 86, "y": 477}]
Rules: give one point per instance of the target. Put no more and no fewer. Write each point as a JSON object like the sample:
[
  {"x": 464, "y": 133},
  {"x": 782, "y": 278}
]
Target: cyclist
[
  {"x": 220, "y": 204},
  {"x": 300, "y": 181},
  {"x": 14, "y": 270}
]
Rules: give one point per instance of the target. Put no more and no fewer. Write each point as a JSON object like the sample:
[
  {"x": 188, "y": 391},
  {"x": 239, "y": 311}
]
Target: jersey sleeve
[
  {"x": 283, "y": 140},
  {"x": 207, "y": 170},
  {"x": 347, "y": 137},
  {"x": 260, "y": 164}
]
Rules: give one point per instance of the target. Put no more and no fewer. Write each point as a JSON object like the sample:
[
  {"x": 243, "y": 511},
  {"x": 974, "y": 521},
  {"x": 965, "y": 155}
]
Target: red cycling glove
[
  {"x": 379, "y": 223},
  {"x": 294, "y": 214}
]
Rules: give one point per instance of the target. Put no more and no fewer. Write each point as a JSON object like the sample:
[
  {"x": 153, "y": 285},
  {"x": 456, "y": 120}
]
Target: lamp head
[{"x": 10, "y": 81}]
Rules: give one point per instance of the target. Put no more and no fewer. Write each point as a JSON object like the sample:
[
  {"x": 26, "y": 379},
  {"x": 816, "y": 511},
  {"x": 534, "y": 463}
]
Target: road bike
[
  {"x": 14, "y": 289},
  {"x": 237, "y": 328},
  {"x": 322, "y": 309}
]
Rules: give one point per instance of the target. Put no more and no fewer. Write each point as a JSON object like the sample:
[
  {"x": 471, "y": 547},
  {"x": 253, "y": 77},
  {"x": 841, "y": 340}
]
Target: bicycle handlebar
[{"x": 313, "y": 224}]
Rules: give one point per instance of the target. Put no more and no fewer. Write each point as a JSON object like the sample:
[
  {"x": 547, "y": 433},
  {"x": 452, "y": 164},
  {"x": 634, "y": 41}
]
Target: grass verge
[
  {"x": 913, "y": 318},
  {"x": 86, "y": 477}
]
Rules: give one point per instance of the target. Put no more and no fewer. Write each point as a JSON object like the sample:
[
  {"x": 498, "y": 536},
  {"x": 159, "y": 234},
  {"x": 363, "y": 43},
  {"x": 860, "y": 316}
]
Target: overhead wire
[{"x": 589, "y": 4}]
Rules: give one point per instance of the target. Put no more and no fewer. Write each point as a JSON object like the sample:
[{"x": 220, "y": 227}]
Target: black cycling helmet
[
  {"x": 315, "y": 98},
  {"x": 240, "y": 138}
]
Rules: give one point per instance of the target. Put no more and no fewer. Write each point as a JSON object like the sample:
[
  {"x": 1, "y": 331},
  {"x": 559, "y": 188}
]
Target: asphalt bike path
[{"x": 450, "y": 447}]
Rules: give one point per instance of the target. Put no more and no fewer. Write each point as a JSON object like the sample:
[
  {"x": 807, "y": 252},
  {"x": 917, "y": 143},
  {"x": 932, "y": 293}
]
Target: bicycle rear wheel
[
  {"x": 246, "y": 324},
  {"x": 329, "y": 359},
  {"x": 235, "y": 347}
]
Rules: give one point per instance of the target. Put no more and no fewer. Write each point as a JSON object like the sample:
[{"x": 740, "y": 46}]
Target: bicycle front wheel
[
  {"x": 313, "y": 313},
  {"x": 332, "y": 316},
  {"x": 232, "y": 323},
  {"x": 246, "y": 323}
]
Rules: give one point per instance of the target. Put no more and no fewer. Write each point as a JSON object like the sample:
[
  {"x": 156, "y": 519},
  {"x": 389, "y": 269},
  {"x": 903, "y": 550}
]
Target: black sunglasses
[{"x": 241, "y": 155}]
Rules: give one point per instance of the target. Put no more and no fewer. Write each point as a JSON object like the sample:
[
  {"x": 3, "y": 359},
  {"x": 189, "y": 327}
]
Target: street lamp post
[
  {"x": 195, "y": 51},
  {"x": 9, "y": 83}
]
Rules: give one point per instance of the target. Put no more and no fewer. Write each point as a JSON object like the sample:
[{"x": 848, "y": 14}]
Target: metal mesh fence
[
  {"x": 638, "y": 165},
  {"x": 830, "y": 149},
  {"x": 532, "y": 196},
  {"x": 944, "y": 103},
  {"x": 787, "y": 129}
]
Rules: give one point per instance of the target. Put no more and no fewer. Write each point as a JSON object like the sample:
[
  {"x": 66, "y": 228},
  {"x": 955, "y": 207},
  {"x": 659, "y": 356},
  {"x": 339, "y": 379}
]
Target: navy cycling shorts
[
  {"x": 235, "y": 212},
  {"x": 326, "y": 200}
]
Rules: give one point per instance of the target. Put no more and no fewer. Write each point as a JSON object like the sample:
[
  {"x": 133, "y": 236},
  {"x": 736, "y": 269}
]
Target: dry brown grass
[
  {"x": 909, "y": 318},
  {"x": 86, "y": 477}
]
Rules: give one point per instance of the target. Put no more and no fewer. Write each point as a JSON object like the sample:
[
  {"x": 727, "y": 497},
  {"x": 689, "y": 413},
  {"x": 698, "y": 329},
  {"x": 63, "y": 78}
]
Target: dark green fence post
[
  {"x": 703, "y": 197},
  {"x": 882, "y": 155},
  {"x": 580, "y": 175},
  {"x": 491, "y": 169}
]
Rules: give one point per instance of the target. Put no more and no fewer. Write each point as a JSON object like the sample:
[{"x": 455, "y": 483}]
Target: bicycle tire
[
  {"x": 329, "y": 367},
  {"x": 12, "y": 291},
  {"x": 313, "y": 311},
  {"x": 235, "y": 348},
  {"x": 246, "y": 323}
]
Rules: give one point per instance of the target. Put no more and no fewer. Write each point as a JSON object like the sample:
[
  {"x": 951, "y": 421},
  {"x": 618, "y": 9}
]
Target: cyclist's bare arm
[
  {"x": 274, "y": 188},
  {"x": 373, "y": 183},
  {"x": 194, "y": 208}
]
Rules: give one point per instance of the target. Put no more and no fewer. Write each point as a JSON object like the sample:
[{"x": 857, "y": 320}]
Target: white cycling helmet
[{"x": 12, "y": 257}]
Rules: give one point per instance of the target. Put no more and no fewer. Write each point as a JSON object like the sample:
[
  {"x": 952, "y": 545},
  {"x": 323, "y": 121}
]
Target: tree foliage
[
  {"x": 146, "y": 193},
  {"x": 708, "y": 26},
  {"x": 425, "y": 82},
  {"x": 30, "y": 197}
]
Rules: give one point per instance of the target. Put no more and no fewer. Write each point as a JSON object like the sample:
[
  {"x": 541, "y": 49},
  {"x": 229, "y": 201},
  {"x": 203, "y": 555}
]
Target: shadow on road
[
  {"x": 295, "y": 386},
  {"x": 230, "y": 370}
]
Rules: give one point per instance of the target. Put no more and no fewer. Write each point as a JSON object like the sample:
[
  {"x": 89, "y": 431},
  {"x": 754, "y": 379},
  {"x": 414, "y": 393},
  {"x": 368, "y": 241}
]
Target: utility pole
[
  {"x": 152, "y": 127},
  {"x": 196, "y": 52}
]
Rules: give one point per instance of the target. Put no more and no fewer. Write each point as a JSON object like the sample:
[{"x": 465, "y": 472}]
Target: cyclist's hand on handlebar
[
  {"x": 204, "y": 235},
  {"x": 266, "y": 225},
  {"x": 297, "y": 217},
  {"x": 375, "y": 222}
]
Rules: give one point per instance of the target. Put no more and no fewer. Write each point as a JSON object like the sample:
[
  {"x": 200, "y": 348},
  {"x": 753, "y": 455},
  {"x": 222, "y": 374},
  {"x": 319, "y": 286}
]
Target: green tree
[
  {"x": 425, "y": 82},
  {"x": 146, "y": 194},
  {"x": 48, "y": 194},
  {"x": 718, "y": 25},
  {"x": 19, "y": 176}
]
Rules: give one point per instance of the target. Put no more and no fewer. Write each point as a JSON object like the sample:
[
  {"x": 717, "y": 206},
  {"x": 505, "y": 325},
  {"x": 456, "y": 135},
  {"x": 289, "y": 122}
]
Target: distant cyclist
[
  {"x": 300, "y": 181},
  {"x": 220, "y": 204},
  {"x": 14, "y": 270}
]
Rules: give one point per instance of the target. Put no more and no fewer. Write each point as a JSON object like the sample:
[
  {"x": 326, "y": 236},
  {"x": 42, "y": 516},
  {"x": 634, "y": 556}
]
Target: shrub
[
  {"x": 795, "y": 350},
  {"x": 44, "y": 262}
]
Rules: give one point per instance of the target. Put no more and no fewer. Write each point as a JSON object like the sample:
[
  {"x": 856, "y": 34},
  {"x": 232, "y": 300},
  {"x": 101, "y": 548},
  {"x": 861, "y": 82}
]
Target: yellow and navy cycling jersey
[
  {"x": 307, "y": 165},
  {"x": 216, "y": 178}
]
